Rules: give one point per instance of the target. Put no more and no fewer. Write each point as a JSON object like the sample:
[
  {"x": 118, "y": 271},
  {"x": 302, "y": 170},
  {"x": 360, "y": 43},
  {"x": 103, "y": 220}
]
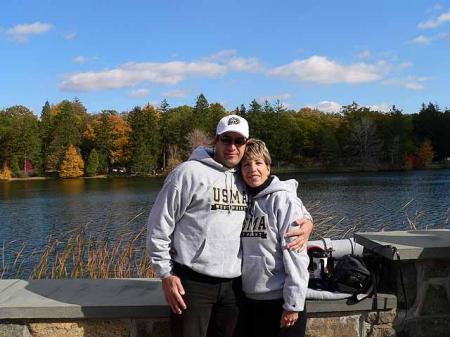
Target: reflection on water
[
  {"x": 31, "y": 210},
  {"x": 72, "y": 186}
]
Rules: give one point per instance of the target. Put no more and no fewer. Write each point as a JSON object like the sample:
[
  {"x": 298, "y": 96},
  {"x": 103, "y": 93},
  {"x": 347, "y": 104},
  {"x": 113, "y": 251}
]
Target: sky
[{"x": 324, "y": 54}]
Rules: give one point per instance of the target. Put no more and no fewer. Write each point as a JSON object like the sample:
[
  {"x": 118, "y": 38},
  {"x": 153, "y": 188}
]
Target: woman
[{"x": 274, "y": 279}]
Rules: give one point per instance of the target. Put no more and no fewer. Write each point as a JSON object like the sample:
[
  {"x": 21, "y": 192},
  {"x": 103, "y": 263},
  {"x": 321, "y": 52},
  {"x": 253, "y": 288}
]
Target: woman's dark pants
[{"x": 262, "y": 319}]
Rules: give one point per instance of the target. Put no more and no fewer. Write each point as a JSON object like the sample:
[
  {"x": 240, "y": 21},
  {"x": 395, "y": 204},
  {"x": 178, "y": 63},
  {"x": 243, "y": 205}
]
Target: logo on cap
[{"x": 233, "y": 120}]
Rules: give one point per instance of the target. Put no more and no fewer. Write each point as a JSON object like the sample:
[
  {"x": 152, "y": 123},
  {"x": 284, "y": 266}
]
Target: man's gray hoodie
[
  {"x": 270, "y": 270},
  {"x": 197, "y": 218}
]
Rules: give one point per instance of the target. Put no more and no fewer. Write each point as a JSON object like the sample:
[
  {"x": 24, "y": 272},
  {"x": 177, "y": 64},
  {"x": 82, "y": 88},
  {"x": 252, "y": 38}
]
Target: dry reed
[
  {"x": 77, "y": 254},
  {"x": 82, "y": 256}
]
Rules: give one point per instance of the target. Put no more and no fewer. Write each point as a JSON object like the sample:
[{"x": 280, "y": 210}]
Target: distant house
[{"x": 28, "y": 168}]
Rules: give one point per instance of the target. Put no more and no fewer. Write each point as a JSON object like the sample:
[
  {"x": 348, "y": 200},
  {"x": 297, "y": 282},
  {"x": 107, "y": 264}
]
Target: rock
[
  {"x": 81, "y": 329},
  {"x": 14, "y": 330},
  {"x": 381, "y": 317},
  {"x": 345, "y": 326}
]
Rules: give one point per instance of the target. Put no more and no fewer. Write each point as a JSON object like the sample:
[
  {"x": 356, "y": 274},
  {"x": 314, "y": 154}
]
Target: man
[{"x": 194, "y": 235}]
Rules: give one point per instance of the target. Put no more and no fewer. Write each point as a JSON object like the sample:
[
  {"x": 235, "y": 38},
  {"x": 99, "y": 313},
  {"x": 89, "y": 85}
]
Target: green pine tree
[{"x": 92, "y": 163}]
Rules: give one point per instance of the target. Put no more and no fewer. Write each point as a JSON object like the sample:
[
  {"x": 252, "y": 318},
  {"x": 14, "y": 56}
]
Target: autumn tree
[
  {"x": 5, "y": 173},
  {"x": 425, "y": 155},
  {"x": 72, "y": 165},
  {"x": 108, "y": 133}
]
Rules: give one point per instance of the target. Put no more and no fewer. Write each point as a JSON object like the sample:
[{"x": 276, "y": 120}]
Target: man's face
[{"x": 229, "y": 148}]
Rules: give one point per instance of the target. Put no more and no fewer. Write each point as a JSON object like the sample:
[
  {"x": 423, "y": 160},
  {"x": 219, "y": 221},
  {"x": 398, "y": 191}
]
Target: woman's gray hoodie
[
  {"x": 197, "y": 217},
  {"x": 270, "y": 270}
]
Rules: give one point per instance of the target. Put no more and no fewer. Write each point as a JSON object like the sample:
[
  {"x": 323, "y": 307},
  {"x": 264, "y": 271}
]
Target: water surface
[{"x": 32, "y": 210}]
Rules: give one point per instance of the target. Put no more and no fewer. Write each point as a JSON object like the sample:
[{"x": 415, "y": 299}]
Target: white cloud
[
  {"x": 229, "y": 58},
  {"x": 79, "y": 59},
  {"x": 22, "y": 32},
  {"x": 410, "y": 82},
  {"x": 221, "y": 56},
  {"x": 83, "y": 59},
  {"x": 247, "y": 64},
  {"x": 70, "y": 36},
  {"x": 143, "y": 92},
  {"x": 422, "y": 39},
  {"x": 132, "y": 73},
  {"x": 177, "y": 93},
  {"x": 364, "y": 54},
  {"x": 329, "y": 107},
  {"x": 316, "y": 69},
  {"x": 281, "y": 97},
  {"x": 435, "y": 22},
  {"x": 319, "y": 69},
  {"x": 334, "y": 107},
  {"x": 383, "y": 107},
  {"x": 404, "y": 65}
]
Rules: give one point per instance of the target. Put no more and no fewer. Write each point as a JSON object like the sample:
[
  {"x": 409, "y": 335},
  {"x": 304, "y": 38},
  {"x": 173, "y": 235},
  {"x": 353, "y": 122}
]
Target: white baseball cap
[{"x": 233, "y": 123}]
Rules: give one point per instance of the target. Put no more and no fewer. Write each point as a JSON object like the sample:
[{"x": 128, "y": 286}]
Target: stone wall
[
  {"x": 348, "y": 324},
  {"x": 423, "y": 298}
]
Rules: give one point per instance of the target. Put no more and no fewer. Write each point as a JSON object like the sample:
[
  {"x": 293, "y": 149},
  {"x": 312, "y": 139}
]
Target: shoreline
[{"x": 275, "y": 170}]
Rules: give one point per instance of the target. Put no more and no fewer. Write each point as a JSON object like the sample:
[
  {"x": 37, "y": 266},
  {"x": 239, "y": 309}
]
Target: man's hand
[
  {"x": 288, "y": 318},
  {"x": 300, "y": 234},
  {"x": 173, "y": 291}
]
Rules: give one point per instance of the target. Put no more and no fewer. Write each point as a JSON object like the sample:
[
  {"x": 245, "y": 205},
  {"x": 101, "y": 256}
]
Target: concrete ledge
[
  {"x": 118, "y": 298},
  {"x": 82, "y": 298},
  {"x": 410, "y": 245},
  {"x": 384, "y": 302}
]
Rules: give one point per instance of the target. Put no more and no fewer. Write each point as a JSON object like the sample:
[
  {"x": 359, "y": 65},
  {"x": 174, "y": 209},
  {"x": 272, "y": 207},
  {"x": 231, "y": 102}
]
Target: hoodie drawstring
[{"x": 230, "y": 189}]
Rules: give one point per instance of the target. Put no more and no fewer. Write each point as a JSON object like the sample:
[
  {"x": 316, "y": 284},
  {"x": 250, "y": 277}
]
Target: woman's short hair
[{"x": 256, "y": 148}]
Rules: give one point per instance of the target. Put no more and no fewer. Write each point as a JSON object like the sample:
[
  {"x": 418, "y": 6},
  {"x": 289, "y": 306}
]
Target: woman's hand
[
  {"x": 288, "y": 318},
  {"x": 300, "y": 234}
]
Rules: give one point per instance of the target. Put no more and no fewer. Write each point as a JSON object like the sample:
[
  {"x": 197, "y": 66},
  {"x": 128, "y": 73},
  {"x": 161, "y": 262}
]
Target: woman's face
[{"x": 254, "y": 171}]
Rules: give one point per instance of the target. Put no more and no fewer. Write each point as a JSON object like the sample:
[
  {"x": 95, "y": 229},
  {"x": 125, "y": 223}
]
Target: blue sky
[{"x": 119, "y": 54}]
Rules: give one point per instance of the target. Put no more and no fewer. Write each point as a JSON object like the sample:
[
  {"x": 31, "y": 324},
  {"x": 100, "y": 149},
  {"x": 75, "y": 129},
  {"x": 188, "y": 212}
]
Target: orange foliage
[
  {"x": 5, "y": 173},
  {"x": 72, "y": 165},
  {"x": 425, "y": 154},
  {"x": 120, "y": 132}
]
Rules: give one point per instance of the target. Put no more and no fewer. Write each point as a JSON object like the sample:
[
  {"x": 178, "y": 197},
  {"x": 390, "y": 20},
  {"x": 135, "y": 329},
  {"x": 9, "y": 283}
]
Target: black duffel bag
[{"x": 351, "y": 275}]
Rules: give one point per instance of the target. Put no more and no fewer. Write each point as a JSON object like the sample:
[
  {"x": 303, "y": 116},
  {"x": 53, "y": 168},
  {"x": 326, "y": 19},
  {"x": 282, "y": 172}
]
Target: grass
[{"x": 78, "y": 255}]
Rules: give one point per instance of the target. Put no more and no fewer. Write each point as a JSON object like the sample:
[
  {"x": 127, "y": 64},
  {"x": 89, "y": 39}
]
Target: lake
[{"x": 31, "y": 210}]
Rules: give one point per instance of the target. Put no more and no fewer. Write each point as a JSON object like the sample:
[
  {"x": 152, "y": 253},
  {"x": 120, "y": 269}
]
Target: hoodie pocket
[
  {"x": 255, "y": 275},
  {"x": 218, "y": 257}
]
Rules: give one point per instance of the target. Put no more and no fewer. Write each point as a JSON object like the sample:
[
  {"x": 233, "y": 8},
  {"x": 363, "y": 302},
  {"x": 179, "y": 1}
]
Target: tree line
[{"x": 68, "y": 141}]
